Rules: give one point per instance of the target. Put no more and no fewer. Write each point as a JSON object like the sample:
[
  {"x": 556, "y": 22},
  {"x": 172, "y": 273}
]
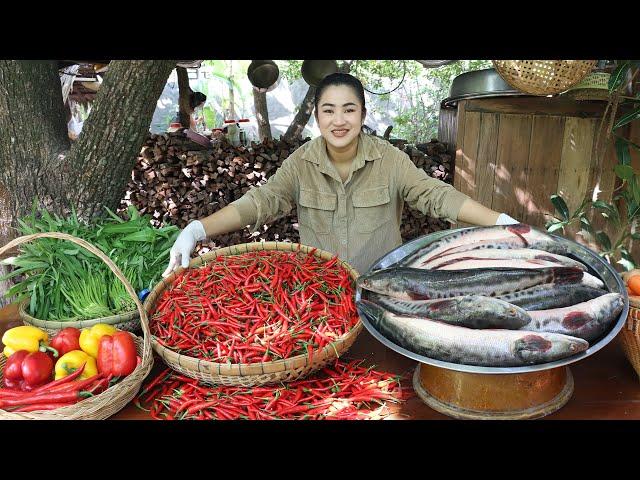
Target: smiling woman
[{"x": 349, "y": 189}]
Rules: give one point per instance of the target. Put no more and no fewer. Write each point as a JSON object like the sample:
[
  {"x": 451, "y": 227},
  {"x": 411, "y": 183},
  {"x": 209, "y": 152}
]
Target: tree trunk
[
  {"x": 35, "y": 161},
  {"x": 262, "y": 114},
  {"x": 184, "y": 95},
  {"x": 302, "y": 117},
  {"x": 232, "y": 106}
]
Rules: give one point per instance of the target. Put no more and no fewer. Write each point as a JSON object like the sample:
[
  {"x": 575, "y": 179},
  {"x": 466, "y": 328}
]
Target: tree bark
[
  {"x": 35, "y": 161},
  {"x": 184, "y": 95},
  {"x": 262, "y": 114},
  {"x": 302, "y": 116}
]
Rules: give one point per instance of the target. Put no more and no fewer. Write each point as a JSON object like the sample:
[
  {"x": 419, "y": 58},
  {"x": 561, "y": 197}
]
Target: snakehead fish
[
  {"x": 489, "y": 348},
  {"x": 498, "y": 253},
  {"x": 419, "y": 284},
  {"x": 587, "y": 320},
  {"x": 472, "y": 311},
  {"x": 498, "y": 236},
  {"x": 551, "y": 295}
]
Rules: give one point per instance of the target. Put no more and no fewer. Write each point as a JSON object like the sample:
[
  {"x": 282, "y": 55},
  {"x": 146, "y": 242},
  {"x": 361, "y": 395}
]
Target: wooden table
[{"x": 606, "y": 386}]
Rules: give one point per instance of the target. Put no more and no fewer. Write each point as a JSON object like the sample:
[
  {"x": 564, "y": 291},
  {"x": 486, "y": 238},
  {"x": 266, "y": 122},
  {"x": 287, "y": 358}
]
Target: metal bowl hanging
[
  {"x": 314, "y": 71},
  {"x": 263, "y": 73}
]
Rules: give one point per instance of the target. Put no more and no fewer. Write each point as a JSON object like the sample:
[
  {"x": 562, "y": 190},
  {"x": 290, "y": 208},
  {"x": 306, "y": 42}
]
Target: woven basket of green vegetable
[
  {"x": 129, "y": 321},
  {"x": 62, "y": 285},
  {"x": 116, "y": 397}
]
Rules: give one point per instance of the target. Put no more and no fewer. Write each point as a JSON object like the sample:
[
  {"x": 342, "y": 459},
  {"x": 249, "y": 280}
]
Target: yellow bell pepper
[
  {"x": 27, "y": 338},
  {"x": 73, "y": 360},
  {"x": 90, "y": 337}
]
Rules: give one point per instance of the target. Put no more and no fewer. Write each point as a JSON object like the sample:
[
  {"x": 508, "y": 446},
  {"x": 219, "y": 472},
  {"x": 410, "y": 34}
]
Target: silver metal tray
[
  {"x": 597, "y": 266},
  {"x": 479, "y": 84}
]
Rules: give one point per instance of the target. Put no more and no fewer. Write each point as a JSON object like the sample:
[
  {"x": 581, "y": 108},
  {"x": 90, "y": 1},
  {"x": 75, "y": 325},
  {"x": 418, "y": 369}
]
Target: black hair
[
  {"x": 335, "y": 79},
  {"x": 196, "y": 98}
]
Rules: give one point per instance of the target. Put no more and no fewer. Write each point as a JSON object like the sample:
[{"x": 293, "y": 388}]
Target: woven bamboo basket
[
  {"x": 630, "y": 334},
  {"x": 119, "y": 395},
  {"x": 251, "y": 374},
  {"x": 594, "y": 86},
  {"x": 129, "y": 321},
  {"x": 543, "y": 77}
]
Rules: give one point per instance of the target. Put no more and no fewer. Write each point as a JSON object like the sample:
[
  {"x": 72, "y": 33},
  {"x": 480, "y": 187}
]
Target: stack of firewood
[{"x": 176, "y": 180}]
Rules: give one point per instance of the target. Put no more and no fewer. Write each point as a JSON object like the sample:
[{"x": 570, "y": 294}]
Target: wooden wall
[{"x": 513, "y": 153}]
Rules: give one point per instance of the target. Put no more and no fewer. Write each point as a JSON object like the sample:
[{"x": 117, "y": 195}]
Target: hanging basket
[
  {"x": 251, "y": 374},
  {"x": 115, "y": 398},
  {"x": 543, "y": 77}
]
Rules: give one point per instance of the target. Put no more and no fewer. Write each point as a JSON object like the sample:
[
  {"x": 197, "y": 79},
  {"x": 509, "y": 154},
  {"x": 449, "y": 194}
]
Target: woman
[
  {"x": 196, "y": 101},
  {"x": 349, "y": 189}
]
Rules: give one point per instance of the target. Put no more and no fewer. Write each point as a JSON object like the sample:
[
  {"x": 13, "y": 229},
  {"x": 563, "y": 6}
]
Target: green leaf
[
  {"x": 586, "y": 225},
  {"x": 604, "y": 240},
  {"x": 622, "y": 151},
  {"x": 635, "y": 189},
  {"x": 556, "y": 226},
  {"x": 626, "y": 255},
  {"x": 628, "y": 265},
  {"x": 629, "y": 117},
  {"x": 635, "y": 236},
  {"x": 618, "y": 76},
  {"x": 560, "y": 206},
  {"x": 625, "y": 172},
  {"x": 609, "y": 211}
]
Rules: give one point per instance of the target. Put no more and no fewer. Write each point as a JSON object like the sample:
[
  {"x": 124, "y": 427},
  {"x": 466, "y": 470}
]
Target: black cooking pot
[{"x": 263, "y": 73}]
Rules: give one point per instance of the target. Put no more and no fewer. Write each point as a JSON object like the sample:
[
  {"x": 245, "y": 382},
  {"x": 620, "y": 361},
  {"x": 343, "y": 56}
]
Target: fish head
[
  {"x": 379, "y": 281},
  {"x": 535, "y": 348}
]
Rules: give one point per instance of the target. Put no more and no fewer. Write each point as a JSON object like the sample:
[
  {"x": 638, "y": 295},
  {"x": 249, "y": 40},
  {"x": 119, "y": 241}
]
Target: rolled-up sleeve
[
  {"x": 426, "y": 194},
  {"x": 270, "y": 201}
]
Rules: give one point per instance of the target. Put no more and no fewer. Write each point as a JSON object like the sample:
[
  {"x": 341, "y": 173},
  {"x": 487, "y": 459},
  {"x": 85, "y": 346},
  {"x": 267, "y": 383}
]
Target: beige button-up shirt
[{"x": 360, "y": 218}]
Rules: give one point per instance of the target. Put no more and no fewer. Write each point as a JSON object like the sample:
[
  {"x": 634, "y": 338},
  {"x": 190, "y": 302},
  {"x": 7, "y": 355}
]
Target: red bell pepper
[
  {"x": 27, "y": 371},
  {"x": 117, "y": 354},
  {"x": 66, "y": 340}
]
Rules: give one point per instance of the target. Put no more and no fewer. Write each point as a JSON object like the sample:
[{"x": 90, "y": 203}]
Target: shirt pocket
[
  {"x": 316, "y": 210},
  {"x": 371, "y": 208}
]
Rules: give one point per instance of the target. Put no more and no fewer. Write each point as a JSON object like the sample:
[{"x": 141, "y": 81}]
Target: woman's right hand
[{"x": 180, "y": 253}]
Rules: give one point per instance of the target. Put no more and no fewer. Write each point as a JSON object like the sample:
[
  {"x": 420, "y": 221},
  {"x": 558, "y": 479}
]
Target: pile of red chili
[
  {"x": 256, "y": 307},
  {"x": 344, "y": 391}
]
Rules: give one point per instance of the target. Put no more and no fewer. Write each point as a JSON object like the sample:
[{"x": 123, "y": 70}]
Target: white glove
[
  {"x": 505, "y": 219},
  {"x": 184, "y": 245}
]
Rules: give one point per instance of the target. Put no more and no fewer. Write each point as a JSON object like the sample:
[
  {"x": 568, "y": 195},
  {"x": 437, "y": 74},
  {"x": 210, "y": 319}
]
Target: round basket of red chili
[
  {"x": 80, "y": 395},
  {"x": 254, "y": 314}
]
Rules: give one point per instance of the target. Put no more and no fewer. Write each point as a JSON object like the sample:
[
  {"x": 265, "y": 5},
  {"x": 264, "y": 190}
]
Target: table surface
[{"x": 606, "y": 387}]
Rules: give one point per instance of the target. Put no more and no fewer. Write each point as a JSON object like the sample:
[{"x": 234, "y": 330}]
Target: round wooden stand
[{"x": 477, "y": 396}]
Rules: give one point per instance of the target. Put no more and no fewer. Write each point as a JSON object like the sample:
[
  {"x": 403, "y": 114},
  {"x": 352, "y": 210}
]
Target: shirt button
[{"x": 344, "y": 242}]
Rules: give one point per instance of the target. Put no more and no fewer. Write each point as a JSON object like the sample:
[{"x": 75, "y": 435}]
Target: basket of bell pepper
[{"x": 79, "y": 374}]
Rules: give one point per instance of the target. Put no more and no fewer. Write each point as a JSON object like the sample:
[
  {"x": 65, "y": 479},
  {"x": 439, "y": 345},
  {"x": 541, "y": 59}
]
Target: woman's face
[{"x": 339, "y": 116}]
